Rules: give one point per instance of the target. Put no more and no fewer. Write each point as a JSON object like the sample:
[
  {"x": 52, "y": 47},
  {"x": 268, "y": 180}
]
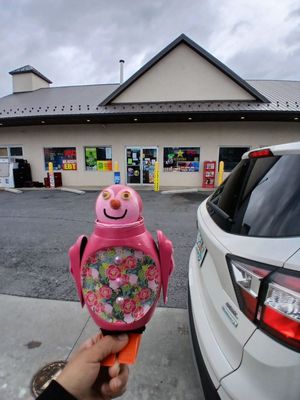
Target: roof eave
[{"x": 89, "y": 119}]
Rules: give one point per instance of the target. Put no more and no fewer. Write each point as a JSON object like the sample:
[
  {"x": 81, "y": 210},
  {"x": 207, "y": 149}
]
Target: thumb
[{"x": 106, "y": 346}]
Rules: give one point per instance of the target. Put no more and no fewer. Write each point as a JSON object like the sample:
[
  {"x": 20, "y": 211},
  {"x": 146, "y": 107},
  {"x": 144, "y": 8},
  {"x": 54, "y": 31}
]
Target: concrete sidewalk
[{"x": 35, "y": 332}]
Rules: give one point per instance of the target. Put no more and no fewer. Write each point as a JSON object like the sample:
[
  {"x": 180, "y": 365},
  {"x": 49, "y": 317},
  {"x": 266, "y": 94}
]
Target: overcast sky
[{"x": 75, "y": 42}]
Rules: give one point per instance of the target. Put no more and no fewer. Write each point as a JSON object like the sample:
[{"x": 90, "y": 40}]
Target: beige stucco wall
[
  {"x": 209, "y": 136},
  {"x": 27, "y": 82},
  {"x": 183, "y": 75}
]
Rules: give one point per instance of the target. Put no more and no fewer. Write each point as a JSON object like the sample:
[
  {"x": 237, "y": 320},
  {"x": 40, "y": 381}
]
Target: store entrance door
[{"x": 140, "y": 163}]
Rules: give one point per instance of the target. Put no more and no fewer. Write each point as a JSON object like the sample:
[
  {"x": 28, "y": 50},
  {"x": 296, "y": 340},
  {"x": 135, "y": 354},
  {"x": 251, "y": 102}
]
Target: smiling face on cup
[{"x": 118, "y": 204}]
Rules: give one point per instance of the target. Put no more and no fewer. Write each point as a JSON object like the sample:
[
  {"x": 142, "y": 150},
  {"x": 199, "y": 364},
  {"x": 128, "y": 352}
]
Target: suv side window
[{"x": 260, "y": 198}]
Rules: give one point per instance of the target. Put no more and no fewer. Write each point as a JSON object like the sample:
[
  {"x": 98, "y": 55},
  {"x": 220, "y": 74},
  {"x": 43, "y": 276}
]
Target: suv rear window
[{"x": 261, "y": 198}]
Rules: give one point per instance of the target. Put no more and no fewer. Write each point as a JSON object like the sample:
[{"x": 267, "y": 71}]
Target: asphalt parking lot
[
  {"x": 36, "y": 230},
  {"x": 38, "y": 227}
]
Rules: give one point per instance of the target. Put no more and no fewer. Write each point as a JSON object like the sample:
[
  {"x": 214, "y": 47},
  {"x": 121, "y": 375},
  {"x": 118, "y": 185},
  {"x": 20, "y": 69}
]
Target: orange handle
[{"x": 126, "y": 356}]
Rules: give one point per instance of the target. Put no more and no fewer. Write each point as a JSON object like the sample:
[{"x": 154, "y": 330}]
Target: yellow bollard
[
  {"x": 221, "y": 173},
  {"x": 51, "y": 175},
  {"x": 156, "y": 177},
  {"x": 116, "y": 166}
]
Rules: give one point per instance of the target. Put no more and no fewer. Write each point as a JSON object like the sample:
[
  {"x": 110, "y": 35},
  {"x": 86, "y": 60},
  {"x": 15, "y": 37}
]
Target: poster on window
[
  {"x": 181, "y": 159},
  {"x": 98, "y": 159},
  {"x": 63, "y": 158}
]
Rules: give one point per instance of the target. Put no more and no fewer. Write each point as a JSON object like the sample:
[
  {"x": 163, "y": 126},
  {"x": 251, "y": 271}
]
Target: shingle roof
[
  {"x": 68, "y": 102},
  {"x": 28, "y": 68}
]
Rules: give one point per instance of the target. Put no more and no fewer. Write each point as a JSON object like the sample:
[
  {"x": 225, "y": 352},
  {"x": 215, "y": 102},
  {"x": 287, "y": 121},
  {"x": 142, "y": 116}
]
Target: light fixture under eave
[
  {"x": 242, "y": 117},
  {"x": 1, "y": 124},
  {"x": 88, "y": 120},
  {"x": 135, "y": 119},
  {"x": 190, "y": 118},
  {"x": 42, "y": 122},
  {"x": 296, "y": 119}
]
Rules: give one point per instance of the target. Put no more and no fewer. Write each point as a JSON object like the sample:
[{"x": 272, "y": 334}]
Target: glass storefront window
[
  {"x": 3, "y": 152},
  {"x": 11, "y": 151},
  {"x": 98, "y": 158},
  {"x": 181, "y": 159},
  {"x": 231, "y": 156},
  {"x": 16, "y": 151},
  {"x": 62, "y": 158}
]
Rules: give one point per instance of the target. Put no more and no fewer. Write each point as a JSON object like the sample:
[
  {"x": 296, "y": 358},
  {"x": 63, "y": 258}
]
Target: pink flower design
[
  {"x": 84, "y": 271},
  {"x": 144, "y": 294},
  {"x": 130, "y": 262},
  {"x": 125, "y": 279},
  {"x": 113, "y": 272},
  {"x": 91, "y": 298},
  {"x": 92, "y": 260},
  {"x": 128, "y": 318},
  {"x": 152, "y": 273},
  {"x": 95, "y": 273},
  {"x": 133, "y": 279},
  {"x": 138, "y": 312},
  {"x": 98, "y": 308},
  {"x": 108, "y": 308},
  {"x": 128, "y": 306},
  {"x": 105, "y": 292},
  {"x": 115, "y": 284},
  {"x": 152, "y": 285},
  {"x": 89, "y": 272}
]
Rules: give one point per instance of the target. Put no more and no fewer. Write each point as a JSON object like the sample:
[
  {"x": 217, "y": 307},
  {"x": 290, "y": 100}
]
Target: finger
[
  {"x": 105, "y": 346},
  {"x": 112, "y": 390},
  {"x": 114, "y": 370},
  {"x": 116, "y": 386},
  {"x": 90, "y": 342},
  {"x": 124, "y": 374}
]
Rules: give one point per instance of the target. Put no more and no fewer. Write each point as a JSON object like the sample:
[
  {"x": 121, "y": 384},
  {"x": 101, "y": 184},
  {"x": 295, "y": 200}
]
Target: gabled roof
[
  {"x": 27, "y": 69},
  {"x": 201, "y": 52}
]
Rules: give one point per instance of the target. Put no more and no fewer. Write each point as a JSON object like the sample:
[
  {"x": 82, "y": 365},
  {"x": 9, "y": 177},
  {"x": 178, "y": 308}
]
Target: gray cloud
[{"x": 75, "y": 42}]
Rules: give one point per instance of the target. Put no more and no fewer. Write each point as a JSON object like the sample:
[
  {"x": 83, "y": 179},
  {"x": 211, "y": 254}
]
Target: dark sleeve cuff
[{"x": 55, "y": 392}]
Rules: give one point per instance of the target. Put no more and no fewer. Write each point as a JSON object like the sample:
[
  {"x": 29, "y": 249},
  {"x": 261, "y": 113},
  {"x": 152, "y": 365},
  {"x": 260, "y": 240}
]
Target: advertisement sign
[
  {"x": 62, "y": 158},
  {"x": 98, "y": 159},
  {"x": 117, "y": 178},
  {"x": 209, "y": 174},
  {"x": 181, "y": 159}
]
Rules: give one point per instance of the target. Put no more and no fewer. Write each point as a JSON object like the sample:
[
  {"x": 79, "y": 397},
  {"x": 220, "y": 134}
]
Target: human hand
[{"x": 82, "y": 376}]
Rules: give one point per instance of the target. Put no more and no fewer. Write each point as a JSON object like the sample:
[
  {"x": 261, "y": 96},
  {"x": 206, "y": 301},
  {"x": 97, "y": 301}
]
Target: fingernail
[{"x": 122, "y": 336}]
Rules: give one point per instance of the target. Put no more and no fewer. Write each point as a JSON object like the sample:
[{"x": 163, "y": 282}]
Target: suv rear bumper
[{"x": 208, "y": 387}]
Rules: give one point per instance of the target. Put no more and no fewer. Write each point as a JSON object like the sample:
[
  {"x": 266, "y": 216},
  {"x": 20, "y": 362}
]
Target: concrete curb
[
  {"x": 76, "y": 191},
  {"x": 11, "y": 190},
  {"x": 194, "y": 190}
]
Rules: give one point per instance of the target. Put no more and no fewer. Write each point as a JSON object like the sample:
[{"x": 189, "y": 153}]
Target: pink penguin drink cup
[{"x": 119, "y": 270}]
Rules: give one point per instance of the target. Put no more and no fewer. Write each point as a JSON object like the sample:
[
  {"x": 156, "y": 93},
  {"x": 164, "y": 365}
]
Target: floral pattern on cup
[{"x": 120, "y": 284}]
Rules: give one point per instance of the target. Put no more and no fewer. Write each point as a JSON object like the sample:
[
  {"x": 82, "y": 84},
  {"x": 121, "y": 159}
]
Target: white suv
[{"x": 244, "y": 280}]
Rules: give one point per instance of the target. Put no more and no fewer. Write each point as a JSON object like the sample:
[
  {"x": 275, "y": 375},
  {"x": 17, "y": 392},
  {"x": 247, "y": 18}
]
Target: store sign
[{"x": 69, "y": 165}]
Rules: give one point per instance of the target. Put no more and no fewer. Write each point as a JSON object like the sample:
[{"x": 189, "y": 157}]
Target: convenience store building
[{"x": 182, "y": 108}]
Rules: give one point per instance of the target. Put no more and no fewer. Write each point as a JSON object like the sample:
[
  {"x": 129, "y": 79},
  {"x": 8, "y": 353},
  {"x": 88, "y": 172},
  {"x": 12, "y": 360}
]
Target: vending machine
[
  {"x": 209, "y": 174},
  {"x": 6, "y": 173}
]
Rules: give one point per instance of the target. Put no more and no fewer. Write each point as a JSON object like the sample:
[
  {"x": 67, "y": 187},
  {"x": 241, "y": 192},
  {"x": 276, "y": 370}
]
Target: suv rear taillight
[
  {"x": 280, "y": 313},
  {"x": 269, "y": 298}
]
